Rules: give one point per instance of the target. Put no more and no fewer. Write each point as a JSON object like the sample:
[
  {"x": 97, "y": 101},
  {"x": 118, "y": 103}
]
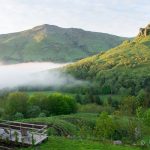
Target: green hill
[
  {"x": 124, "y": 68},
  {"x": 52, "y": 43}
]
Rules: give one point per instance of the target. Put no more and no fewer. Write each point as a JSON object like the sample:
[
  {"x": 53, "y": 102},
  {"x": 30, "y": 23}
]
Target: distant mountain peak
[
  {"x": 53, "y": 43},
  {"x": 44, "y": 26},
  {"x": 144, "y": 31}
]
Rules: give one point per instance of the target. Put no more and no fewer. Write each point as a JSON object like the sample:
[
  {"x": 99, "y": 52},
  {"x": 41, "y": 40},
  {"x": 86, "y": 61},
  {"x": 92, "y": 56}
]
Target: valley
[{"x": 89, "y": 90}]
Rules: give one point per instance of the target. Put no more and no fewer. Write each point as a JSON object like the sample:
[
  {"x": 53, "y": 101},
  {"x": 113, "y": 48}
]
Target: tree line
[{"x": 19, "y": 105}]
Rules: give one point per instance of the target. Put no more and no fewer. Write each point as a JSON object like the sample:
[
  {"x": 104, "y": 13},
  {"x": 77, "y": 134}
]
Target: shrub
[
  {"x": 18, "y": 116},
  {"x": 147, "y": 117},
  {"x": 90, "y": 108},
  {"x": 39, "y": 100},
  {"x": 129, "y": 105},
  {"x": 58, "y": 104},
  {"x": 16, "y": 102},
  {"x": 51, "y": 131},
  {"x": 42, "y": 115},
  {"x": 105, "y": 126},
  {"x": 33, "y": 111},
  {"x": 2, "y": 112}
]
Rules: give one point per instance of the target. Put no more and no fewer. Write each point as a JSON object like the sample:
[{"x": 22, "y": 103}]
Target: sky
[{"x": 118, "y": 17}]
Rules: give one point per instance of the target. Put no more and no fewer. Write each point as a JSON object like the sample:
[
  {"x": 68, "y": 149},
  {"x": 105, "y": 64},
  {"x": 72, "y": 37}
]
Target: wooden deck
[{"x": 23, "y": 133}]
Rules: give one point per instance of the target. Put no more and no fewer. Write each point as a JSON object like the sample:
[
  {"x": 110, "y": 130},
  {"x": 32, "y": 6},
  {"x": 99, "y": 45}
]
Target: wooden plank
[
  {"x": 17, "y": 127},
  {"x": 22, "y": 123},
  {"x": 27, "y": 139},
  {"x": 5, "y": 148},
  {"x": 9, "y": 129}
]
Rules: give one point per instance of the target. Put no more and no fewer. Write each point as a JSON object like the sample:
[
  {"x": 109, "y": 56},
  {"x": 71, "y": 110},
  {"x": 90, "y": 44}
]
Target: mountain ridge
[{"x": 53, "y": 43}]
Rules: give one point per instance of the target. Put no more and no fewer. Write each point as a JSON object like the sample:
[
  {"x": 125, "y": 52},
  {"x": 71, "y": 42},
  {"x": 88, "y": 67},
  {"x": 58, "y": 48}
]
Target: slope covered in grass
[
  {"x": 52, "y": 43},
  {"x": 61, "y": 143},
  {"x": 126, "y": 66},
  {"x": 66, "y": 124},
  {"x": 80, "y": 127}
]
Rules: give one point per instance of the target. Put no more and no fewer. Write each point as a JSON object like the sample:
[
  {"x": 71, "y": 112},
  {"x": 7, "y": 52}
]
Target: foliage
[
  {"x": 90, "y": 108},
  {"x": 42, "y": 115},
  {"x": 143, "y": 98},
  {"x": 129, "y": 105},
  {"x": 147, "y": 117},
  {"x": 38, "y": 99},
  {"x": 121, "y": 70},
  {"x": 16, "y": 102},
  {"x": 33, "y": 111},
  {"x": 61, "y": 104},
  {"x": 18, "y": 116},
  {"x": 94, "y": 108},
  {"x": 19, "y": 105},
  {"x": 105, "y": 126},
  {"x": 92, "y": 126}
]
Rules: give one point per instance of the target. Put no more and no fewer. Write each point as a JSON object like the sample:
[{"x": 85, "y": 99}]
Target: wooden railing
[{"x": 24, "y": 129}]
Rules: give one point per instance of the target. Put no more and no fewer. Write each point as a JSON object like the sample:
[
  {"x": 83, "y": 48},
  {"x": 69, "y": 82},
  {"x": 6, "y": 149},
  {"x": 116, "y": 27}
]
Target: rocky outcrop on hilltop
[{"x": 145, "y": 31}]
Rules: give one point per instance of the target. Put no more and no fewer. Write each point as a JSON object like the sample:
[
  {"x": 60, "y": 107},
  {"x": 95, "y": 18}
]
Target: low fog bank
[{"x": 40, "y": 74}]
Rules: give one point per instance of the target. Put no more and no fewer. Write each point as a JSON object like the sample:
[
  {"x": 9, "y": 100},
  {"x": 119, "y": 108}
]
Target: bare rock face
[{"x": 144, "y": 31}]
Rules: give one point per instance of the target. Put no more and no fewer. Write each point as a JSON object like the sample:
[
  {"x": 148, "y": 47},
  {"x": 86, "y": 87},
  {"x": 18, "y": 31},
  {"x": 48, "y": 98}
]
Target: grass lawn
[{"x": 61, "y": 143}]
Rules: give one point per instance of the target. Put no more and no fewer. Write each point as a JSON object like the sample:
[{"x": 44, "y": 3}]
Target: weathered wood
[
  {"x": 5, "y": 148},
  {"x": 23, "y": 133}
]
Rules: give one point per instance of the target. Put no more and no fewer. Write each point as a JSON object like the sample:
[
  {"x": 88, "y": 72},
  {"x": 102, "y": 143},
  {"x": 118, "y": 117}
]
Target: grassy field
[
  {"x": 80, "y": 128},
  {"x": 69, "y": 124},
  {"x": 61, "y": 143}
]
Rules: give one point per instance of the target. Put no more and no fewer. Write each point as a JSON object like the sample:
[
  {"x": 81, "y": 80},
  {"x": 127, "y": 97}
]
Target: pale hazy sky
[{"x": 119, "y": 17}]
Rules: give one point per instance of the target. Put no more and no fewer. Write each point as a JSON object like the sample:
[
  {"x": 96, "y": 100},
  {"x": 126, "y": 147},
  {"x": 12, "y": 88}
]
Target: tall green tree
[
  {"x": 105, "y": 126},
  {"x": 16, "y": 103},
  {"x": 129, "y": 105},
  {"x": 147, "y": 117}
]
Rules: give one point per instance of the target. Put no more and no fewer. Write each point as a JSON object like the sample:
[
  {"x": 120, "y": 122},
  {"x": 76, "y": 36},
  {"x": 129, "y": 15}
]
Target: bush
[
  {"x": 18, "y": 116},
  {"x": 90, "y": 108},
  {"x": 16, "y": 102},
  {"x": 1, "y": 112},
  {"x": 42, "y": 115},
  {"x": 52, "y": 131},
  {"x": 129, "y": 105},
  {"x": 61, "y": 104},
  {"x": 39, "y": 100},
  {"x": 105, "y": 126},
  {"x": 147, "y": 117},
  {"x": 33, "y": 111},
  {"x": 54, "y": 104}
]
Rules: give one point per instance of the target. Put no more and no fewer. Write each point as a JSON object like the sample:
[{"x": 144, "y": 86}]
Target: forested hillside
[
  {"x": 124, "y": 69},
  {"x": 52, "y": 43}
]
